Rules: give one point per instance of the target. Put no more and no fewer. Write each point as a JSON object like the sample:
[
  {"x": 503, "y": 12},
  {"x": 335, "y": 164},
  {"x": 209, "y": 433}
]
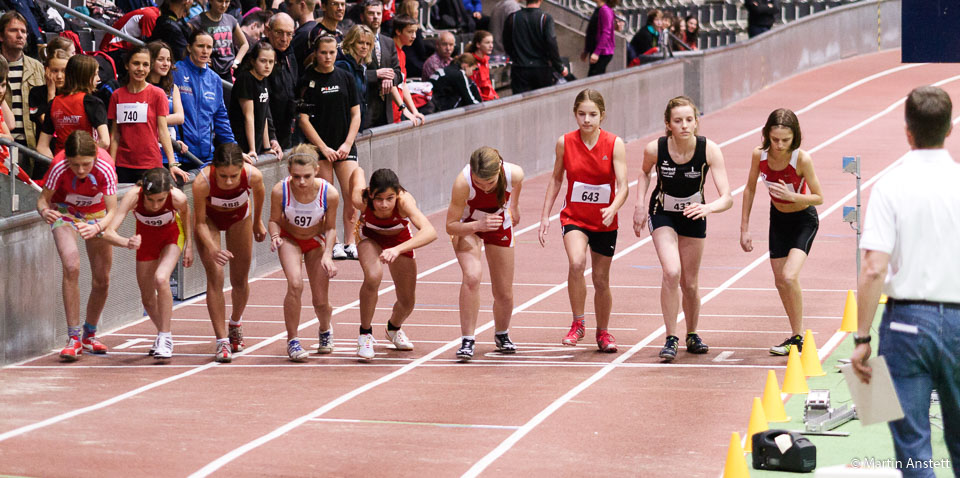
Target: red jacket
[{"x": 482, "y": 78}]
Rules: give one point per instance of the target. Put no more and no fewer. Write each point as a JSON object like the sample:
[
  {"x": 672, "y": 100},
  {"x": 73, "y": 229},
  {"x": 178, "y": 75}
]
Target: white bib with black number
[
  {"x": 590, "y": 193},
  {"x": 128, "y": 113},
  {"x": 155, "y": 221},
  {"x": 675, "y": 204},
  {"x": 232, "y": 203},
  {"x": 83, "y": 201}
]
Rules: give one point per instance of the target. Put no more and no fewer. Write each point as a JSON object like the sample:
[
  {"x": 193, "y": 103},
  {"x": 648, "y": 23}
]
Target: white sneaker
[
  {"x": 153, "y": 348},
  {"x": 164, "y": 349},
  {"x": 351, "y": 251},
  {"x": 399, "y": 339},
  {"x": 326, "y": 342},
  {"x": 338, "y": 252},
  {"x": 365, "y": 346}
]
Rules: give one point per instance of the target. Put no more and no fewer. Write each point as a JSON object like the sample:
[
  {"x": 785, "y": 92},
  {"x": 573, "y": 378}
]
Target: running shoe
[
  {"x": 235, "y": 333},
  {"x": 504, "y": 344},
  {"x": 93, "y": 346},
  {"x": 606, "y": 342},
  {"x": 73, "y": 350},
  {"x": 669, "y": 351},
  {"x": 338, "y": 252},
  {"x": 399, "y": 339},
  {"x": 326, "y": 342},
  {"x": 296, "y": 352},
  {"x": 351, "y": 251},
  {"x": 784, "y": 348},
  {"x": 695, "y": 345},
  {"x": 576, "y": 333},
  {"x": 365, "y": 346},
  {"x": 223, "y": 354},
  {"x": 164, "y": 348},
  {"x": 153, "y": 348},
  {"x": 465, "y": 353}
]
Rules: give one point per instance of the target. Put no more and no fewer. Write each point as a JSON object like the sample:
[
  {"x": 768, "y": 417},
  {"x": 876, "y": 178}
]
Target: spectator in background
[
  {"x": 252, "y": 26},
  {"x": 139, "y": 24},
  {"x": 529, "y": 39},
  {"x": 250, "y": 102},
  {"x": 229, "y": 44},
  {"x": 75, "y": 108},
  {"x": 329, "y": 117},
  {"x": 475, "y": 9},
  {"x": 761, "y": 14},
  {"x": 404, "y": 32},
  {"x": 452, "y": 86},
  {"x": 446, "y": 42},
  {"x": 25, "y": 73},
  {"x": 161, "y": 76},
  {"x": 645, "y": 41},
  {"x": 332, "y": 20},
  {"x": 383, "y": 73},
  {"x": 172, "y": 27},
  {"x": 283, "y": 79},
  {"x": 599, "y": 41},
  {"x": 417, "y": 52},
  {"x": 480, "y": 47},
  {"x": 498, "y": 17},
  {"x": 201, "y": 91},
  {"x": 139, "y": 112},
  {"x": 357, "y": 49},
  {"x": 302, "y": 12},
  {"x": 53, "y": 71},
  {"x": 198, "y": 7},
  {"x": 691, "y": 32}
]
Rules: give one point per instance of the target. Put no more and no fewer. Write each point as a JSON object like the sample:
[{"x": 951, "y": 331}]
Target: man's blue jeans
[{"x": 921, "y": 344}]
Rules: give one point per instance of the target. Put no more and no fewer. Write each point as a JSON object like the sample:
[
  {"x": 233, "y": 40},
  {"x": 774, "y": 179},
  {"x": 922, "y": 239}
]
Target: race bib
[
  {"x": 83, "y": 201},
  {"x": 155, "y": 221},
  {"x": 789, "y": 186},
  {"x": 231, "y": 203},
  {"x": 675, "y": 204},
  {"x": 128, "y": 113},
  {"x": 590, "y": 193}
]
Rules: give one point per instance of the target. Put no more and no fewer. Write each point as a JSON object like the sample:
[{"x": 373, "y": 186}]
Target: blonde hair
[
  {"x": 486, "y": 163},
  {"x": 676, "y": 103},
  {"x": 303, "y": 155},
  {"x": 356, "y": 34}
]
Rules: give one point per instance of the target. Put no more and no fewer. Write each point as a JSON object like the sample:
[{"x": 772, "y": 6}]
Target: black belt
[{"x": 948, "y": 305}]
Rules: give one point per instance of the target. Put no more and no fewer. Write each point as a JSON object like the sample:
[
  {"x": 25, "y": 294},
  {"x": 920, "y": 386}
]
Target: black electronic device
[{"x": 801, "y": 456}]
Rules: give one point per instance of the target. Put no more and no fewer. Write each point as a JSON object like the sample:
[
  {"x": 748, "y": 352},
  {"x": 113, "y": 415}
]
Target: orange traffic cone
[
  {"x": 810, "y": 358},
  {"x": 758, "y": 423},
  {"x": 736, "y": 465},
  {"x": 849, "y": 322},
  {"x": 794, "y": 380},
  {"x": 772, "y": 404}
]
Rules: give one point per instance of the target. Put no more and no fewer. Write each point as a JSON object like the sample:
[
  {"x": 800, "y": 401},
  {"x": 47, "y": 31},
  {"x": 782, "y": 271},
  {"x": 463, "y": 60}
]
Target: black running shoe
[
  {"x": 503, "y": 343},
  {"x": 695, "y": 345},
  {"x": 784, "y": 348},
  {"x": 669, "y": 351},
  {"x": 465, "y": 354}
]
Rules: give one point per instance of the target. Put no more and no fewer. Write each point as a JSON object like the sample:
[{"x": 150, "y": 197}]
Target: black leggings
[{"x": 600, "y": 67}]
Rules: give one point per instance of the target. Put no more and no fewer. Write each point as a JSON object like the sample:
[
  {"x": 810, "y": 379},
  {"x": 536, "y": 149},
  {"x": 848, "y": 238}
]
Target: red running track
[{"x": 547, "y": 411}]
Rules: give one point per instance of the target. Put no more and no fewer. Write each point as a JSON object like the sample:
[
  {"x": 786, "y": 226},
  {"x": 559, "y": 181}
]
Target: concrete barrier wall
[{"x": 523, "y": 127}]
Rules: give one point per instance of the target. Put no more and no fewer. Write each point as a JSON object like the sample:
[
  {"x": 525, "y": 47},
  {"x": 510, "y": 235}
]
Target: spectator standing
[
  {"x": 332, "y": 21},
  {"x": 161, "y": 76},
  {"x": 761, "y": 14},
  {"x": 40, "y": 98},
  {"x": 75, "y": 108},
  {"x": 446, "y": 42},
  {"x": 383, "y": 74},
  {"x": 453, "y": 87},
  {"x": 250, "y": 102},
  {"x": 529, "y": 39},
  {"x": 475, "y": 9},
  {"x": 252, "y": 26},
  {"x": 229, "y": 44},
  {"x": 139, "y": 111},
  {"x": 404, "y": 32},
  {"x": 201, "y": 91},
  {"x": 302, "y": 12},
  {"x": 138, "y": 24},
  {"x": 25, "y": 73},
  {"x": 417, "y": 52},
  {"x": 172, "y": 27},
  {"x": 480, "y": 47},
  {"x": 357, "y": 50},
  {"x": 282, "y": 81},
  {"x": 911, "y": 210},
  {"x": 599, "y": 42},
  {"x": 498, "y": 17}
]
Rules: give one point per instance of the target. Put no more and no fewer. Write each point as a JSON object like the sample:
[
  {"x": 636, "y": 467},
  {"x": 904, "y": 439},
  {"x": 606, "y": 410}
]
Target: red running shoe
[
  {"x": 576, "y": 333},
  {"x": 94, "y": 346},
  {"x": 606, "y": 342},
  {"x": 73, "y": 350},
  {"x": 236, "y": 338}
]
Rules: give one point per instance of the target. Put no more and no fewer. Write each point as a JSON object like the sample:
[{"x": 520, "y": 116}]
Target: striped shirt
[{"x": 14, "y": 80}]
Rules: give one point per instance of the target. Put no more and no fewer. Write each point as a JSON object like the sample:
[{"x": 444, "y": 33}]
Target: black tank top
[{"x": 679, "y": 184}]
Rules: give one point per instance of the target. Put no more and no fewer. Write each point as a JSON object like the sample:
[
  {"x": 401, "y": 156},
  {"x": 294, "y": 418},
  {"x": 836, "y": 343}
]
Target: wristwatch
[{"x": 861, "y": 340}]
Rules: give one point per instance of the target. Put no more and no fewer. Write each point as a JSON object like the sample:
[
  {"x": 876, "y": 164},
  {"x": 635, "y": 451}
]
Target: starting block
[{"x": 819, "y": 417}]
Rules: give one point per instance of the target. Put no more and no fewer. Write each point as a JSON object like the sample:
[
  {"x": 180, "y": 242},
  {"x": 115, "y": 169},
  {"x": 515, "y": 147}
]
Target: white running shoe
[
  {"x": 326, "y": 342},
  {"x": 164, "y": 348},
  {"x": 338, "y": 252},
  {"x": 351, "y": 251},
  {"x": 295, "y": 351},
  {"x": 399, "y": 339},
  {"x": 365, "y": 346},
  {"x": 153, "y": 348}
]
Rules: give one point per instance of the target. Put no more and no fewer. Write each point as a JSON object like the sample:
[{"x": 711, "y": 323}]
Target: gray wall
[{"x": 523, "y": 127}]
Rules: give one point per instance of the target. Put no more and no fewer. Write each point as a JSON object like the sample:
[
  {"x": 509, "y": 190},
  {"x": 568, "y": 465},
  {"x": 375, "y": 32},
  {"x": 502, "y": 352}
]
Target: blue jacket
[
  {"x": 473, "y": 6},
  {"x": 205, "y": 116}
]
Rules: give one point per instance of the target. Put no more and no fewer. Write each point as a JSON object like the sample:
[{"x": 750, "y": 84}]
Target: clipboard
[{"x": 877, "y": 401}]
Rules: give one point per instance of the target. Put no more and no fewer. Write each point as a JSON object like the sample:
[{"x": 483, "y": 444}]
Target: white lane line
[
  {"x": 502, "y": 448},
  {"x": 432, "y": 364},
  {"x": 427, "y": 424}
]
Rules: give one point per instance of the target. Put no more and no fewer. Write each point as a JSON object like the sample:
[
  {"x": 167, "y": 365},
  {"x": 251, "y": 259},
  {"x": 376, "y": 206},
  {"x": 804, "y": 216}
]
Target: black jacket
[
  {"x": 530, "y": 41},
  {"x": 282, "y": 84},
  {"x": 762, "y": 13},
  {"x": 173, "y": 32},
  {"x": 452, "y": 88}
]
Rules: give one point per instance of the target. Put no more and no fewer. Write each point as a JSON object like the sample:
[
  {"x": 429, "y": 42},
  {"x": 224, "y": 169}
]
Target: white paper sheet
[{"x": 876, "y": 402}]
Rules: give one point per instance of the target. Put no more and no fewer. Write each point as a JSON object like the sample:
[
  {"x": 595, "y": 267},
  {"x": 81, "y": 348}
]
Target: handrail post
[{"x": 13, "y": 179}]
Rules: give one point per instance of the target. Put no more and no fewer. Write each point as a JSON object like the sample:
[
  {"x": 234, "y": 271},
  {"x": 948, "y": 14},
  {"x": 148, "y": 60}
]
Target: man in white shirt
[{"x": 912, "y": 228}]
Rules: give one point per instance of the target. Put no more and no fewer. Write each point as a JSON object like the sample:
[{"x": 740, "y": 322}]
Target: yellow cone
[
  {"x": 849, "y": 323},
  {"x": 794, "y": 381},
  {"x": 736, "y": 466},
  {"x": 809, "y": 357},
  {"x": 772, "y": 404},
  {"x": 883, "y": 298},
  {"x": 758, "y": 423}
]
